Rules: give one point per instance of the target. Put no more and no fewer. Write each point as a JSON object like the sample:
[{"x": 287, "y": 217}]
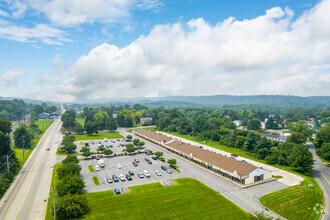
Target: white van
[
  {"x": 48, "y": 148},
  {"x": 105, "y": 140},
  {"x": 101, "y": 163},
  {"x": 146, "y": 173}
]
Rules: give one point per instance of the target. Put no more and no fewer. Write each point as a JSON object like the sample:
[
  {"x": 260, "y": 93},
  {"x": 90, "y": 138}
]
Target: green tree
[
  {"x": 136, "y": 141},
  {"x": 271, "y": 123},
  {"x": 69, "y": 184},
  {"x": 159, "y": 154},
  {"x": 130, "y": 148},
  {"x": 254, "y": 125},
  {"x": 68, "y": 169},
  {"x": 323, "y": 136},
  {"x": 72, "y": 206},
  {"x": 141, "y": 143},
  {"x": 324, "y": 151},
  {"x": 69, "y": 147},
  {"x": 301, "y": 159},
  {"x": 78, "y": 128},
  {"x": 107, "y": 152},
  {"x": 91, "y": 127},
  {"x": 68, "y": 119},
  {"x": 297, "y": 138},
  {"x": 86, "y": 153},
  {"x": 302, "y": 127},
  {"x": 38, "y": 109},
  {"x": 112, "y": 125},
  {"x": 172, "y": 163},
  {"x": 5, "y": 126},
  {"x": 22, "y": 136},
  {"x": 71, "y": 159},
  {"x": 129, "y": 137}
]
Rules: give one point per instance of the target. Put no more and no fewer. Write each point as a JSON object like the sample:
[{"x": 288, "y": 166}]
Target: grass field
[
  {"x": 292, "y": 200},
  {"x": 187, "y": 199},
  {"x": 100, "y": 135},
  {"x": 81, "y": 121},
  {"x": 91, "y": 168},
  {"x": 49, "y": 211},
  {"x": 296, "y": 202},
  {"x": 44, "y": 124},
  {"x": 96, "y": 180}
]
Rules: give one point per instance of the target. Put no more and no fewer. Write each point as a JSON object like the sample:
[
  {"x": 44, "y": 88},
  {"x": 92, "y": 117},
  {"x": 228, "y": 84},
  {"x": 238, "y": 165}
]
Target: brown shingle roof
[
  {"x": 154, "y": 136},
  {"x": 218, "y": 160}
]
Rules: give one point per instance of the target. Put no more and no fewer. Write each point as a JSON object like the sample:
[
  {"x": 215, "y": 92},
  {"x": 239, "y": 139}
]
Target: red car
[{"x": 135, "y": 163}]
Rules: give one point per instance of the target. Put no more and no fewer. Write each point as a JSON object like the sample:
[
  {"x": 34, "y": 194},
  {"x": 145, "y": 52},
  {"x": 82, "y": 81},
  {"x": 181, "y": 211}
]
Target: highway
[
  {"x": 28, "y": 194},
  {"x": 321, "y": 174}
]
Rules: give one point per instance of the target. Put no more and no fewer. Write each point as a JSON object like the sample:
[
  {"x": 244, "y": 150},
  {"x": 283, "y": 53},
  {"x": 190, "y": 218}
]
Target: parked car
[
  {"x": 92, "y": 142},
  {"x": 99, "y": 142},
  {"x": 86, "y": 144},
  {"x": 140, "y": 175},
  {"x": 146, "y": 158},
  {"x": 109, "y": 180},
  {"x": 147, "y": 152},
  {"x": 122, "y": 177},
  {"x": 169, "y": 171},
  {"x": 119, "y": 166},
  {"x": 131, "y": 173},
  {"x": 128, "y": 177},
  {"x": 97, "y": 168},
  {"x": 201, "y": 147},
  {"x": 158, "y": 173},
  {"x": 135, "y": 163},
  {"x": 115, "y": 178},
  {"x": 146, "y": 173},
  {"x": 97, "y": 157},
  {"x": 105, "y": 140},
  {"x": 107, "y": 146},
  {"x": 117, "y": 191},
  {"x": 137, "y": 160},
  {"x": 149, "y": 161},
  {"x": 154, "y": 157},
  {"x": 163, "y": 167}
]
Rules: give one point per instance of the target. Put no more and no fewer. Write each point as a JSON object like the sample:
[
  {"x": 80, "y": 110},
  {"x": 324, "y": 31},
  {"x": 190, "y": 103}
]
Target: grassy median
[
  {"x": 187, "y": 199},
  {"x": 100, "y": 135}
]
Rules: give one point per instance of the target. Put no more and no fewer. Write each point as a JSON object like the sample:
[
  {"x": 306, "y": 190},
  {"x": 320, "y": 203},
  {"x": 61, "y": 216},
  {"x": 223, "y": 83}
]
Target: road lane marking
[
  {"x": 22, "y": 186},
  {"x": 47, "y": 142},
  {"x": 325, "y": 178}
]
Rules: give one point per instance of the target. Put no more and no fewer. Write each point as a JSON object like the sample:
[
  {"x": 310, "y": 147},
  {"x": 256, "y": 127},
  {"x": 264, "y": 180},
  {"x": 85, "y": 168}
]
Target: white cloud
[
  {"x": 75, "y": 12},
  {"x": 43, "y": 32},
  {"x": 270, "y": 54},
  {"x": 10, "y": 76}
]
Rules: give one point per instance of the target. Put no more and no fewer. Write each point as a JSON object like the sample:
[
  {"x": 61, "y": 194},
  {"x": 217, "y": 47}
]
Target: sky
[{"x": 78, "y": 50}]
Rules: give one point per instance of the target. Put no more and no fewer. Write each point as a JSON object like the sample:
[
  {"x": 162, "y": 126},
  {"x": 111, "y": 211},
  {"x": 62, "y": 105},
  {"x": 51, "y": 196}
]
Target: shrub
[{"x": 72, "y": 206}]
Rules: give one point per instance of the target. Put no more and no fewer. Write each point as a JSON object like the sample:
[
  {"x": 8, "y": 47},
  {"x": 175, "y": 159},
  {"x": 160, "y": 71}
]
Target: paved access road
[
  {"x": 321, "y": 174},
  {"x": 27, "y": 196}
]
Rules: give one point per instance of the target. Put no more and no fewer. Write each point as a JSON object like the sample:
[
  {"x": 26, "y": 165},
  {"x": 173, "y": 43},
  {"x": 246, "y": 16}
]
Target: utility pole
[
  {"x": 23, "y": 145},
  {"x": 54, "y": 203},
  {"x": 8, "y": 163}
]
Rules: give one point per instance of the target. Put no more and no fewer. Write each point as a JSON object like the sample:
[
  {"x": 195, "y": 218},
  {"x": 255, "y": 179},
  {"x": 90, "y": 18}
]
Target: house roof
[
  {"x": 223, "y": 162},
  {"x": 154, "y": 135}
]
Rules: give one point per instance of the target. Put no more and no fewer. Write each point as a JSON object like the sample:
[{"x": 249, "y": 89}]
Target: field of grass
[
  {"x": 187, "y": 199},
  {"x": 100, "y": 135},
  {"x": 96, "y": 180},
  {"x": 299, "y": 193},
  {"x": 91, "y": 168},
  {"x": 147, "y": 128},
  {"x": 44, "y": 124},
  {"x": 296, "y": 202},
  {"x": 81, "y": 121}
]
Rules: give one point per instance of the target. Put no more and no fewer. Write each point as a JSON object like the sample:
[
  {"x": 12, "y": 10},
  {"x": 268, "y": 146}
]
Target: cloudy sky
[{"x": 74, "y": 50}]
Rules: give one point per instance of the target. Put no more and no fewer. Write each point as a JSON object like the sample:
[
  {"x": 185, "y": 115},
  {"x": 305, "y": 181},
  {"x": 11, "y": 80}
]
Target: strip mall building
[{"x": 240, "y": 172}]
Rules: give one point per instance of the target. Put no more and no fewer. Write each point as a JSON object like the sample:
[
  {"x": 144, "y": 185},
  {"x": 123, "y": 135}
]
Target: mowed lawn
[
  {"x": 187, "y": 199},
  {"x": 81, "y": 121},
  {"x": 44, "y": 124},
  {"x": 100, "y": 135},
  {"x": 296, "y": 202}
]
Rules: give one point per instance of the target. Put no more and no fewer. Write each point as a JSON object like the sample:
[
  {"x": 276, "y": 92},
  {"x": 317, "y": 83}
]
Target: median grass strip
[
  {"x": 277, "y": 177},
  {"x": 96, "y": 180},
  {"x": 187, "y": 199},
  {"x": 296, "y": 202},
  {"x": 100, "y": 135},
  {"x": 91, "y": 168},
  {"x": 44, "y": 124},
  {"x": 50, "y": 204}
]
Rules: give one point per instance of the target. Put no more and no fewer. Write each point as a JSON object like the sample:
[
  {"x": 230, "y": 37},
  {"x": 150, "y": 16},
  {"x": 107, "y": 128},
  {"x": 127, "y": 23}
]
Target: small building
[
  {"x": 44, "y": 115},
  {"x": 275, "y": 137},
  {"x": 263, "y": 124},
  {"x": 238, "y": 123},
  {"x": 114, "y": 115},
  {"x": 145, "y": 120}
]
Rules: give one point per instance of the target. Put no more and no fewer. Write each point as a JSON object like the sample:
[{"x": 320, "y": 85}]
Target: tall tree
[
  {"x": 22, "y": 136},
  {"x": 254, "y": 125}
]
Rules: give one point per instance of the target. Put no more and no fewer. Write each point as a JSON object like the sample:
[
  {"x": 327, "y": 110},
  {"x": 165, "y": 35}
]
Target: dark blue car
[{"x": 117, "y": 191}]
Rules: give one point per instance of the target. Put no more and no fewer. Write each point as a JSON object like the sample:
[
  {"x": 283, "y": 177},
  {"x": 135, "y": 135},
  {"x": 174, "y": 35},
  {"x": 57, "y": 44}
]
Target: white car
[
  {"x": 122, "y": 177},
  {"x": 119, "y": 166},
  {"x": 97, "y": 168},
  {"x": 146, "y": 173},
  {"x": 158, "y": 173}
]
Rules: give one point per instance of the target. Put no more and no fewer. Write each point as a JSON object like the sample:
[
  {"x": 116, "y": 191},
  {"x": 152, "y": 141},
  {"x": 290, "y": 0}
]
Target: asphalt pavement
[
  {"x": 321, "y": 174},
  {"x": 28, "y": 194}
]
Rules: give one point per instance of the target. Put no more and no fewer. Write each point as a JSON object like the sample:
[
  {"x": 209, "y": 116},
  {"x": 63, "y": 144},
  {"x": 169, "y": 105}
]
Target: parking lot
[
  {"x": 116, "y": 145},
  {"x": 111, "y": 168}
]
